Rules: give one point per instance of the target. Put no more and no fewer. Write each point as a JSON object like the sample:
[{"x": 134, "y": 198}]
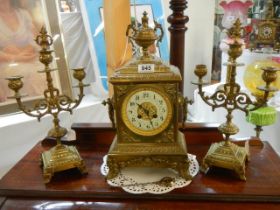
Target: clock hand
[
  {"x": 151, "y": 122},
  {"x": 147, "y": 112}
]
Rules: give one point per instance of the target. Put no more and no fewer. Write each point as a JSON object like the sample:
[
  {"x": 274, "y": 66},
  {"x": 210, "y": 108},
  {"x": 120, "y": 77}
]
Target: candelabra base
[
  {"x": 61, "y": 158},
  {"x": 227, "y": 155}
]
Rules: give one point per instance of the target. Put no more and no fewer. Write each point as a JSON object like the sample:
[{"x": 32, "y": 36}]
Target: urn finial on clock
[{"x": 144, "y": 36}]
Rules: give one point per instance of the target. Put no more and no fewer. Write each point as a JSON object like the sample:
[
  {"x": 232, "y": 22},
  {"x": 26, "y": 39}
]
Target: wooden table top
[{"x": 25, "y": 181}]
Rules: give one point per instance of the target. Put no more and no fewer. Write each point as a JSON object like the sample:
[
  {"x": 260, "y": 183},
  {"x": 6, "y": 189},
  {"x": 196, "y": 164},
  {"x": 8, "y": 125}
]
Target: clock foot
[
  {"x": 114, "y": 168},
  {"x": 185, "y": 174}
]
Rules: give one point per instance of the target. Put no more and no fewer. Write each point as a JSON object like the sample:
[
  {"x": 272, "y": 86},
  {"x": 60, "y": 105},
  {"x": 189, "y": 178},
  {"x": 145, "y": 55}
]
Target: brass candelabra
[
  {"x": 60, "y": 157},
  {"x": 226, "y": 154}
]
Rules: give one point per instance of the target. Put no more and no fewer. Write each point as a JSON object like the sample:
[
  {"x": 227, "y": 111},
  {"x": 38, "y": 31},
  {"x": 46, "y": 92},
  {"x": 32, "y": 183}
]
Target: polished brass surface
[
  {"x": 226, "y": 154},
  {"x": 129, "y": 73},
  {"x": 149, "y": 155},
  {"x": 61, "y": 157},
  {"x": 111, "y": 112},
  {"x": 145, "y": 36},
  {"x": 184, "y": 102},
  {"x": 146, "y": 111}
]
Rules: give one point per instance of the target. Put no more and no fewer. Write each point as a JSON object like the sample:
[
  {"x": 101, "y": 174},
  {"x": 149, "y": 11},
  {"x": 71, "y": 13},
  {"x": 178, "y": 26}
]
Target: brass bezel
[{"x": 138, "y": 131}]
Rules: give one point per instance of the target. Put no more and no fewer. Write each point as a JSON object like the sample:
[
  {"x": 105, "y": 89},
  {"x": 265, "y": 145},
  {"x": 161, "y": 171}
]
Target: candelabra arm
[
  {"x": 29, "y": 111},
  {"x": 269, "y": 76},
  {"x": 257, "y": 104},
  {"x": 218, "y": 96},
  {"x": 65, "y": 103},
  {"x": 15, "y": 83},
  {"x": 80, "y": 95},
  {"x": 79, "y": 74},
  {"x": 203, "y": 97}
]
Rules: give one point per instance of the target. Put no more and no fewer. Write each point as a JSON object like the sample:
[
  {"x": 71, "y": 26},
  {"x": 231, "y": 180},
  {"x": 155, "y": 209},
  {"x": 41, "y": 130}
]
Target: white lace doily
[{"x": 146, "y": 180}]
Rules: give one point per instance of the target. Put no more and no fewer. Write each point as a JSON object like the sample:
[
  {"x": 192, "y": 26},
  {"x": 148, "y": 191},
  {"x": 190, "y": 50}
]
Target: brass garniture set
[
  {"x": 144, "y": 110},
  {"x": 60, "y": 157},
  {"x": 226, "y": 154}
]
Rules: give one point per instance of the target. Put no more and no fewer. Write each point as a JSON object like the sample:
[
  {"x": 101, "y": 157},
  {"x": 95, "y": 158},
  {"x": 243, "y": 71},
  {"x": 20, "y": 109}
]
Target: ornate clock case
[
  {"x": 267, "y": 30},
  {"x": 145, "y": 102},
  {"x": 266, "y": 34}
]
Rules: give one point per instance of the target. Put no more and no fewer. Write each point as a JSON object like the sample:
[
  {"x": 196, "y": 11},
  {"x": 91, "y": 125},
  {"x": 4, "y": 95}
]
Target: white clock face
[
  {"x": 267, "y": 32},
  {"x": 147, "y": 111}
]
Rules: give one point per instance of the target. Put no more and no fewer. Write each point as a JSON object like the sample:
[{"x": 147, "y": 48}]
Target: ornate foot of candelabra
[
  {"x": 227, "y": 154},
  {"x": 61, "y": 157}
]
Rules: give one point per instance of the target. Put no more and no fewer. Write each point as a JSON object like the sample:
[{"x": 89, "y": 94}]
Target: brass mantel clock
[
  {"x": 267, "y": 31},
  {"x": 145, "y": 102}
]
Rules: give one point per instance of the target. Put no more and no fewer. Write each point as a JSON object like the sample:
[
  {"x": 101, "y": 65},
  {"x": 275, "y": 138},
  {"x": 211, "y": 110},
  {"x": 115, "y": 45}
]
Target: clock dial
[
  {"x": 146, "y": 111},
  {"x": 266, "y": 32}
]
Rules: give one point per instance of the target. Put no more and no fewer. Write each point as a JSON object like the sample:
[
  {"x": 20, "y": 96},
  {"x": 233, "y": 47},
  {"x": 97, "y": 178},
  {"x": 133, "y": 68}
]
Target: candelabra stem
[
  {"x": 228, "y": 123},
  {"x": 56, "y": 125},
  {"x": 58, "y": 141},
  {"x": 227, "y": 139},
  {"x": 50, "y": 83},
  {"x": 229, "y": 116},
  {"x": 232, "y": 76},
  {"x": 229, "y": 70}
]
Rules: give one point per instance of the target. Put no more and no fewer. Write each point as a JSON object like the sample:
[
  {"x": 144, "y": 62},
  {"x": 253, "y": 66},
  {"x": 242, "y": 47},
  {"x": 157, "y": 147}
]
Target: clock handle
[
  {"x": 132, "y": 28},
  {"x": 111, "y": 110},
  {"x": 183, "y": 103},
  {"x": 158, "y": 26}
]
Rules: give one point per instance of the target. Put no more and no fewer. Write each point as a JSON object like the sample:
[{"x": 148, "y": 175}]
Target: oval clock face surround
[{"x": 146, "y": 111}]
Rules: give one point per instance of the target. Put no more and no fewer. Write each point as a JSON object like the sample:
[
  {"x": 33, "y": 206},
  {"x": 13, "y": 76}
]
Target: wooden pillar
[{"x": 177, "y": 30}]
